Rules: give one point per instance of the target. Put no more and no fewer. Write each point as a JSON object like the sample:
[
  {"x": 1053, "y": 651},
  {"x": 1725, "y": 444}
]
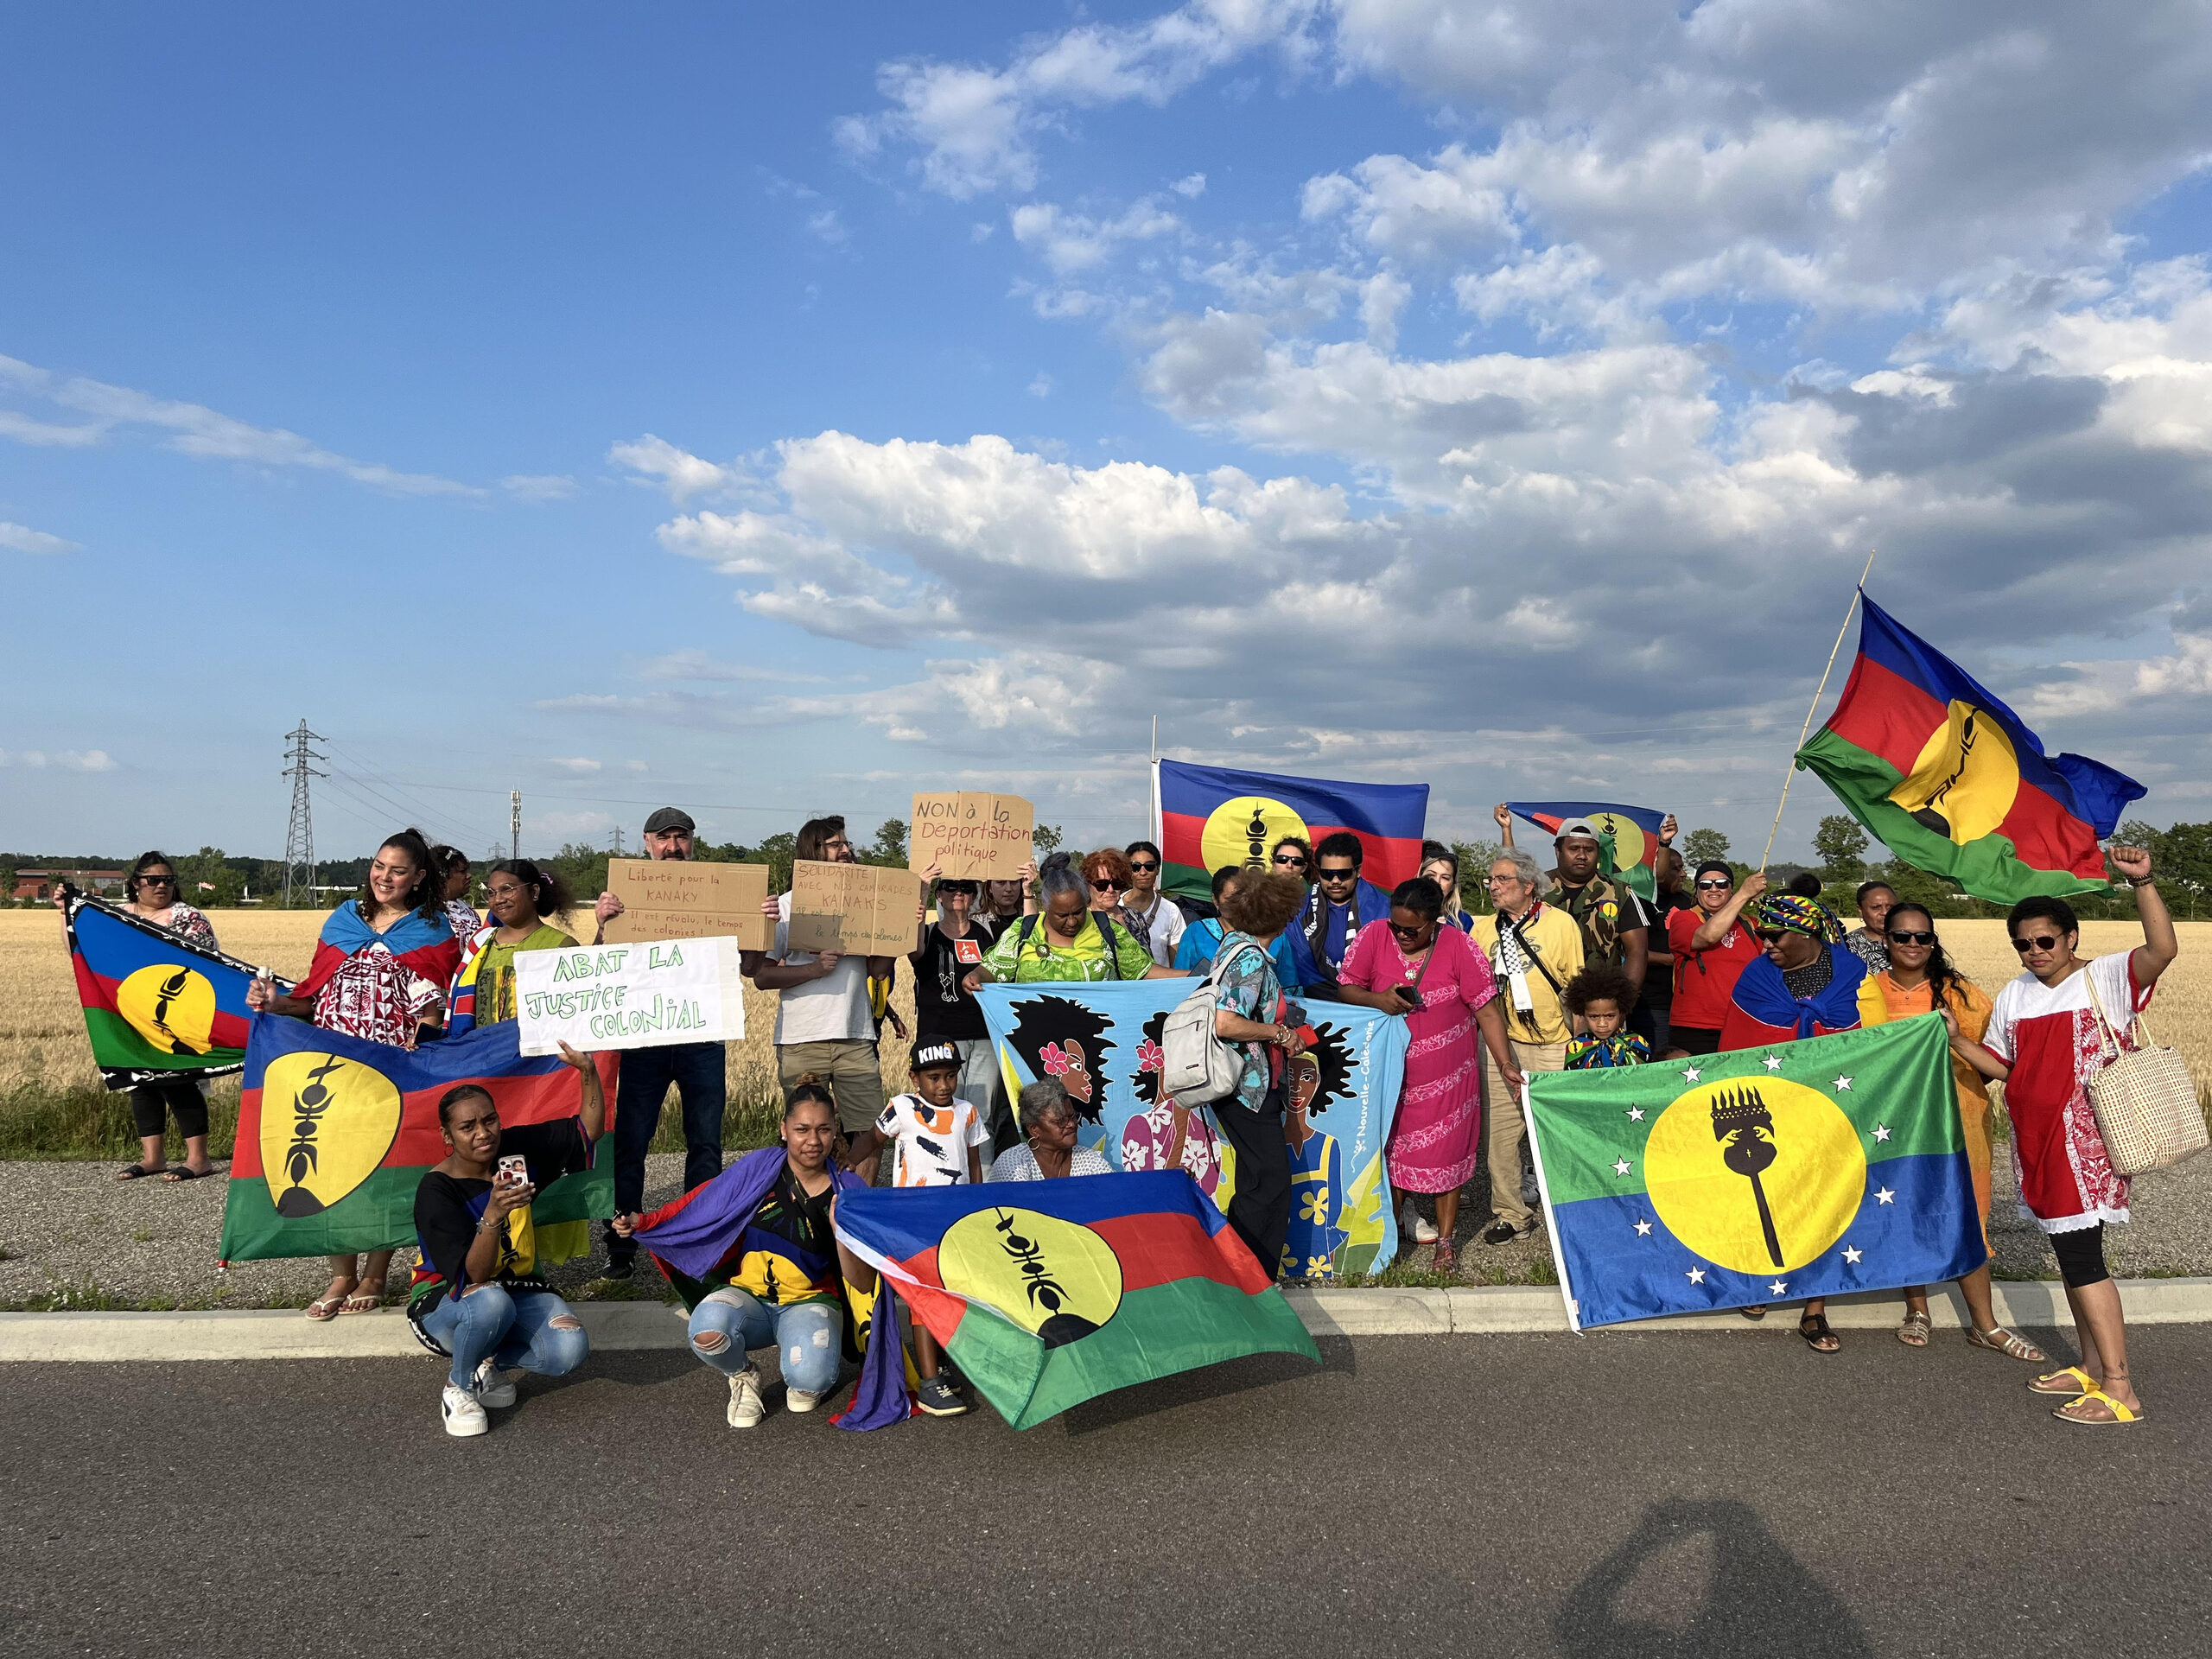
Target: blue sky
[{"x": 779, "y": 411}]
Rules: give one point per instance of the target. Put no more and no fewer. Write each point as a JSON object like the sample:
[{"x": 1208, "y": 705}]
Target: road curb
[{"x": 1487, "y": 1310}]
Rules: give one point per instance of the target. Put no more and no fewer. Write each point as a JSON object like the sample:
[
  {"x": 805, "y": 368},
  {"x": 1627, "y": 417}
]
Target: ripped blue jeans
[
  {"x": 526, "y": 1331},
  {"x": 729, "y": 1322}
]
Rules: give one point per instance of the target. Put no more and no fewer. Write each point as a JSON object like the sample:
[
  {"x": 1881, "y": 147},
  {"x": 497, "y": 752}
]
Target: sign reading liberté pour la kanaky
[{"x": 638, "y": 995}]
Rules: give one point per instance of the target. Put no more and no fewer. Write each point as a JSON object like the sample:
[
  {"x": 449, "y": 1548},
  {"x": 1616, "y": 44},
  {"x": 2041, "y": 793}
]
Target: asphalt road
[{"x": 1607, "y": 1496}]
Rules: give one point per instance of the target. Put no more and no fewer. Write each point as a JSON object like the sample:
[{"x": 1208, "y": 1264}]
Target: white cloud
[
  {"x": 1191, "y": 186},
  {"x": 24, "y": 539},
  {"x": 824, "y": 225},
  {"x": 682, "y": 474},
  {"x": 574, "y": 766},
  {"x": 1041, "y": 386},
  {"x": 698, "y": 666},
  {"x": 63, "y": 759},
  {"x": 196, "y": 431},
  {"x": 975, "y": 128},
  {"x": 1072, "y": 242}
]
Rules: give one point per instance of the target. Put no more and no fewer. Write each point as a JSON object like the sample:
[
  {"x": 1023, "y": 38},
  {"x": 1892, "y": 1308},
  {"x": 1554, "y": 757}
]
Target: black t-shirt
[
  {"x": 1658, "y": 979},
  {"x": 941, "y": 1007},
  {"x": 448, "y": 1209}
]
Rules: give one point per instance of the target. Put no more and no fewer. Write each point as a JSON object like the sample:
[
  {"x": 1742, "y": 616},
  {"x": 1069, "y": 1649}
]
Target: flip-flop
[
  {"x": 2036, "y": 1384},
  {"x": 325, "y": 1308},
  {"x": 185, "y": 1173},
  {"x": 361, "y": 1302},
  {"x": 138, "y": 1173},
  {"x": 2119, "y": 1414}
]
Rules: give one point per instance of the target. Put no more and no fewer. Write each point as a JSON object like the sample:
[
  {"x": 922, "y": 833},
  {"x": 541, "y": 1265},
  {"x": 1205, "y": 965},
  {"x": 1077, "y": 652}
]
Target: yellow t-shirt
[{"x": 1555, "y": 940}]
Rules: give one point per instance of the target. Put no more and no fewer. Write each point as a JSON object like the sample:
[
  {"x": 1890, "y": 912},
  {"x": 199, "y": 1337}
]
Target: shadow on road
[
  {"x": 1705, "y": 1578},
  {"x": 1208, "y": 1383}
]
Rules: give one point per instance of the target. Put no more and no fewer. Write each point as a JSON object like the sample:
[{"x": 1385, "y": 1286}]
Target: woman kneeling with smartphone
[{"x": 477, "y": 1296}]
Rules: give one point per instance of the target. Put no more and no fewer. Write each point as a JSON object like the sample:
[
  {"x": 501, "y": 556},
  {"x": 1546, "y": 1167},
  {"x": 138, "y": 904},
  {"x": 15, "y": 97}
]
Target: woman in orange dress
[{"x": 1920, "y": 972}]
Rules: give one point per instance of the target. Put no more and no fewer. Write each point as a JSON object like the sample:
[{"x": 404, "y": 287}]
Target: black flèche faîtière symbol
[{"x": 1744, "y": 1129}]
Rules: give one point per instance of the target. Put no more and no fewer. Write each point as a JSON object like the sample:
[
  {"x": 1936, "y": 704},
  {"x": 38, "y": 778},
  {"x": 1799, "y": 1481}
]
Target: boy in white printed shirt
[{"x": 937, "y": 1134}]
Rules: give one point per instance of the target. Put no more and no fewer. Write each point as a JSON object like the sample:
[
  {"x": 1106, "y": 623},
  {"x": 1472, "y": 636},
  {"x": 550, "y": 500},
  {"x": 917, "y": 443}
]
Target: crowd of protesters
[{"x": 1567, "y": 967}]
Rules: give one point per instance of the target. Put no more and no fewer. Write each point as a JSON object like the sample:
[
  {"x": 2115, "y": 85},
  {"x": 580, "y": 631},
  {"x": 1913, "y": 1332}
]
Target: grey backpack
[{"x": 1197, "y": 1067}]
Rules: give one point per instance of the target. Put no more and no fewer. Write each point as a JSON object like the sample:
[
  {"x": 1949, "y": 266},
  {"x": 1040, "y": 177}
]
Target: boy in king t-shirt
[{"x": 937, "y": 1134}]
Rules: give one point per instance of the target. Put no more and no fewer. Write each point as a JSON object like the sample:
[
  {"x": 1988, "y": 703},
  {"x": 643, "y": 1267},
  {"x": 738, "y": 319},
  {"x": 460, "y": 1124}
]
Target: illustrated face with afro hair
[
  {"x": 1322, "y": 1073},
  {"x": 1056, "y": 1037}
]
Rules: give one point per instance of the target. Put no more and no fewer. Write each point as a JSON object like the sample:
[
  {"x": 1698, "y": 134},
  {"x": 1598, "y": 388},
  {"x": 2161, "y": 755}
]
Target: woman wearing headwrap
[{"x": 1804, "y": 983}]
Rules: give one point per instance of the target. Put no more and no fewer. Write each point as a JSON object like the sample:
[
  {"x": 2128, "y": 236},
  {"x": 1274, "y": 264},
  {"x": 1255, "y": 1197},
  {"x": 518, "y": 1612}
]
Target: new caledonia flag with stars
[{"x": 1810, "y": 1168}]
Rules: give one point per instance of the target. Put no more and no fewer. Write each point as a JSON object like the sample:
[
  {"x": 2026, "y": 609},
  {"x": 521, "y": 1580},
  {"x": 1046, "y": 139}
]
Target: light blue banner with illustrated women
[{"x": 1103, "y": 1042}]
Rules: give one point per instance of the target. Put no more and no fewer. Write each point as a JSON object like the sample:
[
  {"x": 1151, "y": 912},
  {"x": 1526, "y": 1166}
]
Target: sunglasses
[
  {"x": 1142, "y": 868},
  {"x": 1339, "y": 876},
  {"x": 1107, "y": 884},
  {"x": 1409, "y": 933},
  {"x": 2041, "y": 942},
  {"x": 1897, "y": 937},
  {"x": 157, "y": 880},
  {"x": 1715, "y": 885},
  {"x": 1773, "y": 935},
  {"x": 958, "y": 887},
  {"x": 1291, "y": 859}
]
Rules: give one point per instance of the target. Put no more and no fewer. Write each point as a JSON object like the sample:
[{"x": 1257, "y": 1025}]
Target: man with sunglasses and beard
[
  {"x": 1805, "y": 982},
  {"x": 1342, "y": 903}
]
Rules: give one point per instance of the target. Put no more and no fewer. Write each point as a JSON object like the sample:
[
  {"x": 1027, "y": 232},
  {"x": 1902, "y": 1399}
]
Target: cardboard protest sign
[
  {"x": 859, "y": 910},
  {"x": 637, "y": 995},
  {"x": 971, "y": 835},
  {"x": 675, "y": 899}
]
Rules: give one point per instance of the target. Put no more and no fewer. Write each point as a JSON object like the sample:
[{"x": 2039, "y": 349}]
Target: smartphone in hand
[{"x": 514, "y": 1171}]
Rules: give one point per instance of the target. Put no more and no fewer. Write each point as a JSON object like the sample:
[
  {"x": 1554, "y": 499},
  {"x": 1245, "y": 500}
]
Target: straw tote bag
[{"x": 2146, "y": 1101}]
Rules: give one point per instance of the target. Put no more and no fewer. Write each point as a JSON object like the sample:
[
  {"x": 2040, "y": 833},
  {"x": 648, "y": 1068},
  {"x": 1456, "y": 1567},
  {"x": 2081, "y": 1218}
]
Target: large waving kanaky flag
[
  {"x": 156, "y": 1008},
  {"x": 1810, "y": 1168},
  {"x": 1207, "y": 817},
  {"x": 1046, "y": 1294},
  {"x": 1945, "y": 777},
  {"x": 334, "y": 1133}
]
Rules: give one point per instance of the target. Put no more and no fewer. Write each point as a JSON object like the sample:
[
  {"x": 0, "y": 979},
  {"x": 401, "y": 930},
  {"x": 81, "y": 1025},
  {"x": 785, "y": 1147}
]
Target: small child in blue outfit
[{"x": 1600, "y": 997}]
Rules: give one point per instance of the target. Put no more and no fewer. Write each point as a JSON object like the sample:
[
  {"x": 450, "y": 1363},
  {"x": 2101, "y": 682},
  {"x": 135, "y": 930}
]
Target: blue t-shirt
[{"x": 1294, "y": 962}]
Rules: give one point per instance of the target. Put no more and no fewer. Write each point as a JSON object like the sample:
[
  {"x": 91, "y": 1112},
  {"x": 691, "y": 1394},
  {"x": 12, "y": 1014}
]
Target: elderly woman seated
[{"x": 1048, "y": 1120}]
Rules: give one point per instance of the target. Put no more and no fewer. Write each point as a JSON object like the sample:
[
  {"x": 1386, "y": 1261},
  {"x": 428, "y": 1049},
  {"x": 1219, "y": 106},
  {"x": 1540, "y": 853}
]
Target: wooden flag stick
[{"x": 1818, "y": 694}]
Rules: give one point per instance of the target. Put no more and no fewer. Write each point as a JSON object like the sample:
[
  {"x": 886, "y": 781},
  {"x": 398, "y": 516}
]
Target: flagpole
[{"x": 1818, "y": 694}]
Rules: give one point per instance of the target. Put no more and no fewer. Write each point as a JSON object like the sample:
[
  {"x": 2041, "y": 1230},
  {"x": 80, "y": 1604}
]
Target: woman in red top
[{"x": 1712, "y": 944}]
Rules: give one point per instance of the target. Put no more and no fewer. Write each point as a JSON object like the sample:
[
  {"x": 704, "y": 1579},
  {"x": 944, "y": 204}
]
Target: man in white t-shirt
[{"x": 824, "y": 1026}]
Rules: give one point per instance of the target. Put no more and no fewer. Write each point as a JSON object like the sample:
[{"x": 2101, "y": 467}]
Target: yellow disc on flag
[
  {"x": 170, "y": 1005},
  {"x": 1053, "y": 1278},
  {"x": 1629, "y": 842},
  {"x": 326, "y": 1123},
  {"x": 1721, "y": 1148},
  {"x": 1244, "y": 831},
  {"x": 1965, "y": 781}
]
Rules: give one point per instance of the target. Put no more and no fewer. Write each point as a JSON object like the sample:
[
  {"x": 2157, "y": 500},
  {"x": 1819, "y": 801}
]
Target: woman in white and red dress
[
  {"x": 380, "y": 973},
  {"x": 2052, "y": 1030}
]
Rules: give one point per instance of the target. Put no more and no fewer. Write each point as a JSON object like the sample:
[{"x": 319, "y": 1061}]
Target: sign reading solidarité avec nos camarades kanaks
[{"x": 637, "y": 995}]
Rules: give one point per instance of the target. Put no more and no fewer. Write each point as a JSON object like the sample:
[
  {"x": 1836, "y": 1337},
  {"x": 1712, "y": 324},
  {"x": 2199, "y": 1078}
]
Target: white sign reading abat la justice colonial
[{"x": 637, "y": 995}]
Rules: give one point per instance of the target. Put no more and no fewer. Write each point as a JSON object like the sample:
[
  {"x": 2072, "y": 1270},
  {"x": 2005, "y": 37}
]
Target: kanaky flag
[
  {"x": 1945, "y": 777},
  {"x": 1046, "y": 1294},
  {"x": 1208, "y": 816},
  {"x": 334, "y": 1133},
  {"x": 1809, "y": 1169},
  {"x": 1635, "y": 831},
  {"x": 156, "y": 1008}
]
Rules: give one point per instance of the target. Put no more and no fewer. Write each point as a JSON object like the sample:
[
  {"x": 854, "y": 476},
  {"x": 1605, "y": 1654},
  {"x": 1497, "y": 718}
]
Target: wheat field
[
  {"x": 42, "y": 1045},
  {"x": 43, "y": 1049}
]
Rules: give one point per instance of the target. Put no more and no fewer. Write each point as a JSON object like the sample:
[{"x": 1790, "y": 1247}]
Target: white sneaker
[
  {"x": 746, "y": 1406},
  {"x": 464, "y": 1413},
  {"x": 800, "y": 1399},
  {"x": 1411, "y": 1221},
  {"x": 494, "y": 1387}
]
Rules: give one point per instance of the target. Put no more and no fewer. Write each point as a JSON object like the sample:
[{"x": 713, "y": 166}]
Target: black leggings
[
  {"x": 152, "y": 1102},
  {"x": 2081, "y": 1256},
  {"x": 1259, "y": 1209},
  {"x": 1693, "y": 1040}
]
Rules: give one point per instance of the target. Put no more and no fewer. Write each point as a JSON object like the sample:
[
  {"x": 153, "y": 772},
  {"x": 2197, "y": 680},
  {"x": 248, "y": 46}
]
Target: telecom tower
[{"x": 299, "y": 834}]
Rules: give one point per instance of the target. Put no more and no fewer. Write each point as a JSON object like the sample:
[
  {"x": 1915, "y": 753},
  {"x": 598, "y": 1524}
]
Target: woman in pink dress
[{"x": 1440, "y": 983}]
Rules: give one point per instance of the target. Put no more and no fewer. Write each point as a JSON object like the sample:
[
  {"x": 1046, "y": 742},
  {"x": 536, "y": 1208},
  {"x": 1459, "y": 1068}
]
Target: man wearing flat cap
[{"x": 696, "y": 1069}]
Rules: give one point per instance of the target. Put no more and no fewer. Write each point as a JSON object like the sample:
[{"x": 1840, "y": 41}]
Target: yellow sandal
[
  {"x": 2042, "y": 1384},
  {"x": 2119, "y": 1414}
]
